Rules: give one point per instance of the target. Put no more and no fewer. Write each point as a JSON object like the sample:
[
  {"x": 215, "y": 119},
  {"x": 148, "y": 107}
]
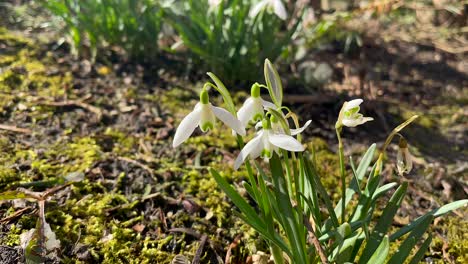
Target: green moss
[
  {"x": 123, "y": 144},
  {"x": 453, "y": 239}
]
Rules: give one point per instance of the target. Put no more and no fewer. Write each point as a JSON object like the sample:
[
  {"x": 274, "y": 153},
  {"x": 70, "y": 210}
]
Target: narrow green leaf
[
  {"x": 289, "y": 221},
  {"x": 436, "y": 213},
  {"x": 310, "y": 170},
  {"x": 405, "y": 248},
  {"x": 360, "y": 173},
  {"x": 383, "y": 189},
  {"x": 421, "y": 251},
  {"x": 384, "y": 222},
  {"x": 236, "y": 198},
  {"x": 381, "y": 253}
]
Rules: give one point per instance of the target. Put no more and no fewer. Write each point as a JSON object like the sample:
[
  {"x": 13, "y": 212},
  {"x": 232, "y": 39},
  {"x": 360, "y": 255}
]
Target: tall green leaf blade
[
  {"x": 322, "y": 192},
  {"x": 436, "y": 213},
  {"x": 236, "y": 198},
  {"x": 384, "y": 223},
  {"x": 421, "y": 251},
  {"x": 360, "y": 173},
  {"x": 405, "y": 248},
  {"x": 289, "y": 220},
  {"x": 381, "y": 252}
]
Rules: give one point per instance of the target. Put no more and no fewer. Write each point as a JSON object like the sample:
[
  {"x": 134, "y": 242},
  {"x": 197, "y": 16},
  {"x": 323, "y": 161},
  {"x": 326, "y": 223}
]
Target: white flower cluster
[{"x": 272, "y": 128}]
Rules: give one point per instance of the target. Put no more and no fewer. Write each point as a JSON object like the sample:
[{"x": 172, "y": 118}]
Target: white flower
[
  {"x": 276, "y": 5},
  {"x": 404, "y": 158},
  {"x": 204, "y": 116},
  {"x": 252, "y": 110},
  {"x": 350, "y": 116},
  {"x": 265, "y": 143}
]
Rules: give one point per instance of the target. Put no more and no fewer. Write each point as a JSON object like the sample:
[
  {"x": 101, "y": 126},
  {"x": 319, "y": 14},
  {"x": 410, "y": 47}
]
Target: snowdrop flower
[
  {"x": 265, "y": 143},
  {"x": 204, "y": 116},
  {"x": 404, "y": 158},
  {"x": 349, "y": 115},
  {"x": 252, "y": 110},
  {"x": 276, "y": 5}
]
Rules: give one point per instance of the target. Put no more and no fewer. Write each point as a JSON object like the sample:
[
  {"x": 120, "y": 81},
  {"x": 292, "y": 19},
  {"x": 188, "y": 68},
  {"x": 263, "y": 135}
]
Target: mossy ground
[{"x": 136, "y": 188}]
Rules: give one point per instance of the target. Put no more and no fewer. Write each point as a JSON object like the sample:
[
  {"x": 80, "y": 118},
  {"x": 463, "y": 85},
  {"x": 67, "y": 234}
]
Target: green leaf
[
  {"x": 381, "y": 253},
  {"x": 290, "y": 222},
  {"x": 224, "y": 93},
  {"x": 421, "y": 251},
  {"x": 436, "y": 213},
  {"x": 273, "y": 83},
  {"x": 316, "y": 183},
  {"x": 236, "y": 198},
  {"x": 382, "y": 190},
  {"x": 360, "y": 173},
  {"x": 384, "y": 222},
  {"x": 405, "y": 248}
]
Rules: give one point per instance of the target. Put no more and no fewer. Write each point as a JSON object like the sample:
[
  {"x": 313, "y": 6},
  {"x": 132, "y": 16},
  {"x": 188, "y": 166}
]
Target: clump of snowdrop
[{"x": 288, "y": 192}]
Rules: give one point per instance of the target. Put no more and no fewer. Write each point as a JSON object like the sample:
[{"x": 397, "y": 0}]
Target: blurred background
[{"x": 97, "y": 86}]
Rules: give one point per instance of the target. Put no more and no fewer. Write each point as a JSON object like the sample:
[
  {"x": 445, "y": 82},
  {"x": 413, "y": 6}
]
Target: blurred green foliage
[
  {"x": 224, "y": 37},
  {"x": 227, "y": 39},
  {"x": 133, "y": 25}
]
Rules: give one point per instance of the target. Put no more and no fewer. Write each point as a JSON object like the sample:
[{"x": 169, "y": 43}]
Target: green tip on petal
[
  {"x": 255, "y": 90},
  {"x": 204, "y": 99},
  {"x": 257, "y": 117},
  {"x": 266, "y": 124},
  {"x": 206, "y": 126},
  {"x": 266, "y": 154}
]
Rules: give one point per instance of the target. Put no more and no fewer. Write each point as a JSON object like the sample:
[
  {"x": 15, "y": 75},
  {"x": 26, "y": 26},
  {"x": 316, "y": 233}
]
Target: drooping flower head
[
  {"x": 253, "y": 108},
  {"x": 276, "y": 5},
  {"x": 204, "y": 116},
  {"x": 349, "y": 115},
  {"x": 404, "y": 158},
  {"x": 265, "y": 143}
]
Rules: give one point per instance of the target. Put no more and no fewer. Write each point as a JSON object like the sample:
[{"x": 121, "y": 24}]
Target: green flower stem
[
  {"x": 343, "y": 176},
  {"x": 289, "y": 179}
]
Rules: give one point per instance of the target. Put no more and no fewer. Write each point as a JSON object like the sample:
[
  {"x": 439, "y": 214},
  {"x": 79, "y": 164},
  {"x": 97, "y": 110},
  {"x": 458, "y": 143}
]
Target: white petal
[
  {"x": 296, "y": 131},
  {"x": 267, "y": 104},
  {"x": 258, "y": 125},
  {"x": 352, "y": 104},
  {"x": 285, "y": 142},
  {"x": 253, "y": 148},
  {"x": 353, "y": 122},
  {"x": 246, "y": 112},
  {"x": 279, "y": 9},
  {"x": 229, "y": 119},
  {"x": 257, "y": 8},
  {"x": 186, "y": 127}
]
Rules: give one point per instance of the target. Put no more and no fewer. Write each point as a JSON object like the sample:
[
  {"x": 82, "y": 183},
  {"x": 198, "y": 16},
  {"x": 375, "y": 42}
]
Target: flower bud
[{"x": 404, "y": 158}]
